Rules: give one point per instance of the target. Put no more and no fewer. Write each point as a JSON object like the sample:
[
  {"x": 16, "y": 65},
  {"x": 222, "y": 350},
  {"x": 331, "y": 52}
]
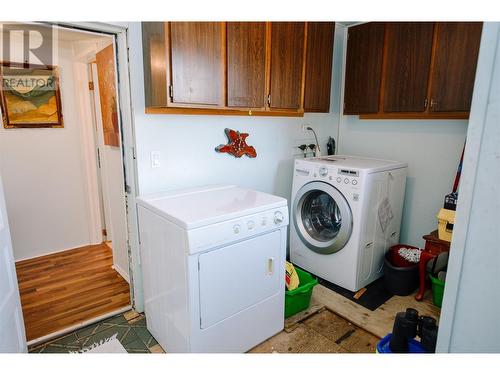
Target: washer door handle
[{"x": 369, "y": 244}]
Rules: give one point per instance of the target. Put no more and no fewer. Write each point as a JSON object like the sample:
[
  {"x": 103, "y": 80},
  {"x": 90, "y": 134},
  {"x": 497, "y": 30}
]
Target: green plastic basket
[
  {"x": 437, "y": 291},
  {"x": 299, "y": 299}
]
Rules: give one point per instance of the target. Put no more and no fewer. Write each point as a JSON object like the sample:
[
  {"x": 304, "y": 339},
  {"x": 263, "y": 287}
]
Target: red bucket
[{"x": 396, "y": 259}]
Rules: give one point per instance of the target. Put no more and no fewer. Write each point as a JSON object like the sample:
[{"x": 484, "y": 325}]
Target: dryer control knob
[
  {"x": 236, "y": 229},
  {"x": 278, "y": 217},
  {"x": 323, "y": 171}
]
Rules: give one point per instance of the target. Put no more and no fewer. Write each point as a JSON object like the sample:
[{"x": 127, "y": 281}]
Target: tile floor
[
  {"x": 322, "y": 332},
  {"x": 130, "y": 328}
]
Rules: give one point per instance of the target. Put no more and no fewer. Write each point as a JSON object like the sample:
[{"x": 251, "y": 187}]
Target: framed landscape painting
[{"x": 30, "y": 96}]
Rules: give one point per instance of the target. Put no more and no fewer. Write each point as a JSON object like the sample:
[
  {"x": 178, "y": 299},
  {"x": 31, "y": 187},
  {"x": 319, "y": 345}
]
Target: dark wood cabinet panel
[
  {"x": 246, "y": 64},
  {"x": 287, "y": 65},
  {"x": 454, "y": 70},
  {"x": 363, "y": 68},
  {"x": 319, "y": 56},
  {"x": 407, "y": 65},
  {"x": 155, "y": 64},
  {"x": 197, "y": 53}
]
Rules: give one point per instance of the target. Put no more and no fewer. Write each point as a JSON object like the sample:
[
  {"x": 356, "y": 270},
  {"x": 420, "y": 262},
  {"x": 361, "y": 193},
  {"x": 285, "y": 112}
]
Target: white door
[
  {"x": 12, "y": 335},
  {"x": 238, "y": 276}
]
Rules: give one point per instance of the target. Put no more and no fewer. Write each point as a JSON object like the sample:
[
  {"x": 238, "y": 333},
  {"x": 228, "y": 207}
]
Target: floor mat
[{"x": 375, "y": 295}]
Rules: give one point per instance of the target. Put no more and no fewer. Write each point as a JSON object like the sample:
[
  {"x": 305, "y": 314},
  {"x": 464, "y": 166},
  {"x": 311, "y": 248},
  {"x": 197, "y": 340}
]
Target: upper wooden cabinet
[
  {"x": 363, "y": 68},
  {"x": 246, "y": 64},
  {"x": 319, "y": 58},
  {"x": 197, "y": 53},
  {"x": 454, "y": 69},
  {"x": 407, "y": 65},
  {"x": 287, "y": 65},
  {"x": 237, "y": 68},
  {"x": 155, "y": 64},
  {"x": 419, "y": 70}
]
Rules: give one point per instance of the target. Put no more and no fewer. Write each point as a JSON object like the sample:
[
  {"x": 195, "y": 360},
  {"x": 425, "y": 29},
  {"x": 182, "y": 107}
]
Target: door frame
[
  {"x": 119, "y": 31},
  {"x": 483, "y": 105}
]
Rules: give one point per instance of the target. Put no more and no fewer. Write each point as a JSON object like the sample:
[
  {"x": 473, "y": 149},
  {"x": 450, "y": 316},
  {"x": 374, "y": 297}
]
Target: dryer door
[{"x": 322, "y": 217}]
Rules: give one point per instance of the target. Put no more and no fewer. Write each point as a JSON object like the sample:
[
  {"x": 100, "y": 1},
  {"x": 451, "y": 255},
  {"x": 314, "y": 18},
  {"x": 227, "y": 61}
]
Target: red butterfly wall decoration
[{"x": 237, "y": 145}]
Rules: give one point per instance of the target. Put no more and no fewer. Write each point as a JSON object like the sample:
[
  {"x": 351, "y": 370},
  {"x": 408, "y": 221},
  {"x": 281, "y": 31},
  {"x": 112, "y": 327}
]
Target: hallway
[{"x": 69, "y": 287}]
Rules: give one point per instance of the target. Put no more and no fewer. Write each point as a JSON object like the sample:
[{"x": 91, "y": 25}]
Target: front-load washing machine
[{"x": 346, "y": 212}]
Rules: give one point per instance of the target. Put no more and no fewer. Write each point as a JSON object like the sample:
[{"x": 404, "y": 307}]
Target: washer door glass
[{"x": 322, "y": 218}]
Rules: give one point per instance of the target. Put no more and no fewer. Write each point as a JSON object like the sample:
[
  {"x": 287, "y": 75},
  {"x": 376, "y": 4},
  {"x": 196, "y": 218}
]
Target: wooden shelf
[
  {"x": 415, "y": 116},
  {"x": 219, "y": 112}
]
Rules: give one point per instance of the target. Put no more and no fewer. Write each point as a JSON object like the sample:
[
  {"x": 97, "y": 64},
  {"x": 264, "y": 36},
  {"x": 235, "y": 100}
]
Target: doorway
[{"x": 65, "y": 195}]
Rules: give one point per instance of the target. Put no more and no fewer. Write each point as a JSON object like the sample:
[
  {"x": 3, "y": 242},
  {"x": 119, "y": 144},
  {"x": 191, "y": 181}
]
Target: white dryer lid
[{"x": 193, "y": 208}]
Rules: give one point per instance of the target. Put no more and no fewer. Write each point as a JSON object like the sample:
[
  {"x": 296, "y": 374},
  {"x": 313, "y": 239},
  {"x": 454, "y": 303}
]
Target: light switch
[{"x": 155, "y": 159}]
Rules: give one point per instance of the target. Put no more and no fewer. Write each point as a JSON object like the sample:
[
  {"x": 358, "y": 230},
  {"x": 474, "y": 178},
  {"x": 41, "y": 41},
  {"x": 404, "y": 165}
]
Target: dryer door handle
[
  {"x": 369, "y": 244},
  {"x": 270, "y": 266}
]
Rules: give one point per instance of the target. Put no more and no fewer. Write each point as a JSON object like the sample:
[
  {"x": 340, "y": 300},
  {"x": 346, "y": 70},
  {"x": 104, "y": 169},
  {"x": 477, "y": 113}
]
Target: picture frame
[{"x": 30, "y": 96}]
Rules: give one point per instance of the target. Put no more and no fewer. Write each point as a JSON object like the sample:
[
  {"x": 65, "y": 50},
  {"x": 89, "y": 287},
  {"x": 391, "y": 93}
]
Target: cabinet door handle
[{"x": 270, "y": 266}]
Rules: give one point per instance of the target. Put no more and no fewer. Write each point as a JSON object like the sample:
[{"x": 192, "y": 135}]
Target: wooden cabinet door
[
  {"x": 197, "y": 52},
  {"x": 365, "y": 47},
  {"x": 155, "y": 64},
  {"x": 287, "y": 65},
  {"x": 454, "y": 70},
  {"x": 246, "y": 64},
  {"x": 319, "y": 56},
  {"x": 408, "y": 60}
]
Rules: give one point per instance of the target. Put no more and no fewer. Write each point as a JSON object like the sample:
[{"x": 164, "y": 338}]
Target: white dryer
[
  {"x": 213, "y": 265},
  {"x": 346, "y": 212}
]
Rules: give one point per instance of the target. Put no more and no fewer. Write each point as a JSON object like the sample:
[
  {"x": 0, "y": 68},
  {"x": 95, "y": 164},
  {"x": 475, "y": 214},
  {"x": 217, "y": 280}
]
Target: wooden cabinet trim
[{"x": 221, "y": 111}]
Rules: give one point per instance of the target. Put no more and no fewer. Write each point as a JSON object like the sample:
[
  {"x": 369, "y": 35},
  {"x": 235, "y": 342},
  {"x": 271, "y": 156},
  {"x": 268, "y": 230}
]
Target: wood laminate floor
[{"x": 69, "y": 287}]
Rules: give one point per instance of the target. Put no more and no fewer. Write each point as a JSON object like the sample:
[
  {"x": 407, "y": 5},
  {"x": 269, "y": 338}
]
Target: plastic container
[
  {"x": 437, "y": 291},
  {"x": 299, "y": 299},
  {"x": 396, "y": 259},
  {"x": 414, "y": 346},
  {"x": 446, "y": 220},
  {"x": 400, "y": 281}
]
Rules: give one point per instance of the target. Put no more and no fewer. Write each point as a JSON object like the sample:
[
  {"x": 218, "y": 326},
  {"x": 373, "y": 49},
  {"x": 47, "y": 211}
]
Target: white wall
[
  {"x": 43, "y": 178},
  {"x": 432, "y": 149},
  {"x": 471, "y": 305},
  {"x": 187, "y": 143}
]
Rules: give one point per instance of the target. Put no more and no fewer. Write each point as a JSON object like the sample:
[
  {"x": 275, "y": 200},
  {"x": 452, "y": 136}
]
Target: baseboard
[
  {"x": 57, "y": 251},
  {"x": 122, "y": 273},
  {"x": 72, "y": 328}
]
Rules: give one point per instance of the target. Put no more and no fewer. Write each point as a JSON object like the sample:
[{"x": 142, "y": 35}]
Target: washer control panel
[{"x": 335, "y": 175}]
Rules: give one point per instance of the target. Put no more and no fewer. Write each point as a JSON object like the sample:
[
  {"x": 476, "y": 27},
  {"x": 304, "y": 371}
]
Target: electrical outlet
[
  {"x": 304, "y": 127},
  {"x": 155, "y": 159}
]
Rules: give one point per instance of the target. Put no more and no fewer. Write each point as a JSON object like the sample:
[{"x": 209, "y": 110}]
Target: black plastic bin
[{"x": 400, "y": 281}]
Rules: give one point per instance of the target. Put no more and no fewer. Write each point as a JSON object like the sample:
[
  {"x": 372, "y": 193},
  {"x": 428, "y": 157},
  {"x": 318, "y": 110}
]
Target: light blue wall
[{"x": 432, "y": 149}]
